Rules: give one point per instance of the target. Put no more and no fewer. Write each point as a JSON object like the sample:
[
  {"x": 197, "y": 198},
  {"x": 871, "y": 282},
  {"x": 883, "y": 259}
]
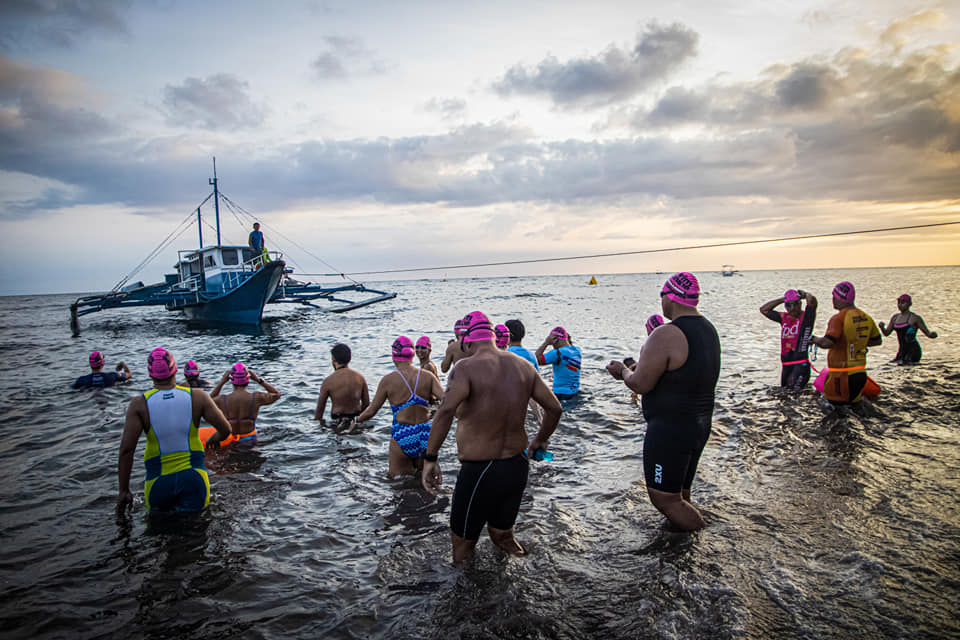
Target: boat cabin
[{"x": 217, "y": 268}]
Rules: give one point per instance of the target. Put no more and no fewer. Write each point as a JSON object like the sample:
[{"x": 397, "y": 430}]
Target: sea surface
[{"x": 822, "y": 523}]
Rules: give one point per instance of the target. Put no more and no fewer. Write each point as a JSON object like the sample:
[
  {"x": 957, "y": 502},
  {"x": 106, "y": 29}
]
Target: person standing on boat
[
  {"x": 849, "y": 332},
  {"x": 409, "y": 390},
  {"x": 255, "y": 240},
  {"x": 240, "y": 406},
  {"x": 906, "y": 323},
  {"x": 176, "y": 478},
  {"x": 676, "y": 373},
  {"x": 488, "y": 393},
  {"x": 796, "y": 327},
  {"x": 565, "y": 359},
  {"x": 97, "y": 378},
  {"x": 345, "y": 388}
]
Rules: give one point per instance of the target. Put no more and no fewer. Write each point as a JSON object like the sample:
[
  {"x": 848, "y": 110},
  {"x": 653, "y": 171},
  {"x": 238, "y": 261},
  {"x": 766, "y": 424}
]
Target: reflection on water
[{"x": 821, "y": 522}]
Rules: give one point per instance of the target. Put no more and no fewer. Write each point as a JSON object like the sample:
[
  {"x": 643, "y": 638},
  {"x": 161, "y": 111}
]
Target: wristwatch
[{"x": 430, "y": 457}]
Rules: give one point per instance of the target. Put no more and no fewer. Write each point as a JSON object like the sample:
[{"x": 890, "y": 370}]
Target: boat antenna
[{"x": 216, "y": 197}]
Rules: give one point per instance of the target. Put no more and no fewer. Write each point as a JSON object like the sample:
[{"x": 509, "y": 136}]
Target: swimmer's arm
[
  {"x": 219, "y": 387},
  {"x": 887, "y": 329},
  {"x": 436, "y": 389},
  {"x": 364, "y": 395},
  {"x": 810, "y": 298},
  {"x": 652, "y": 361},
  {"x": 767, "y": 307},
  {"x": 122, "y": 366},
  {"x": 551, "y": 413},
  {"x": 458, "y": 388},
  {"x": 132, "y": 427},
  {"x": 210, "y": 411},
  {"x": 448, "y": 357},
  {"x": 321, "y": 401},
  {"x": 875, "y": 341},
  {"x": 920, "y": 324},
  {"x": 378, "y": 399},
  {"x": 825, "y": 342},
  {"x": 272, "y": 394}
]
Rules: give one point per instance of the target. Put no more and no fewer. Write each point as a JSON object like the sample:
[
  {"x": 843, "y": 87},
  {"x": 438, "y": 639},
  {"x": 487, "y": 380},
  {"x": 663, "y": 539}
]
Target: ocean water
[{"x": 821, "y": 523}]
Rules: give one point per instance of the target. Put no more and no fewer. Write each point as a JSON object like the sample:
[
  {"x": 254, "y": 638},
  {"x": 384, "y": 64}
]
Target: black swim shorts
[
  {"x": 671, "y": 451},
  {"x": 488, "y": 492}
]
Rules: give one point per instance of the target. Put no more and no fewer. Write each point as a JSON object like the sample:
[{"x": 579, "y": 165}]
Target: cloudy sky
[{"x": 381, "y": 135}]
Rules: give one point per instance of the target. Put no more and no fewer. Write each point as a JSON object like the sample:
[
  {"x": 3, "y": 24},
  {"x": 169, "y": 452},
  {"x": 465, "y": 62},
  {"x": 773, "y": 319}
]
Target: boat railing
[{"x": 191, "y": 283}]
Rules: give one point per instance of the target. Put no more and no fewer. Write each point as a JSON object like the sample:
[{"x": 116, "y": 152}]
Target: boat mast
[
  {"x": 216, "y": 198},
  {"x": 200, "y": 227}
]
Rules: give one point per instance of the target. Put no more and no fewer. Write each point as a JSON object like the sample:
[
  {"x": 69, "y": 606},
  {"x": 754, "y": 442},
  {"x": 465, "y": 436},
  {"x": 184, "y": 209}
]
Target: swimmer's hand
[
  {"x": 534, "y": 445},
  {"x": 882, "y": 326},
  {"x": 616, "y": 369},
  {"x": 933, "y": 334},
  {"x": 431, "y": 477},
  {"x": 124, "y": 502}
]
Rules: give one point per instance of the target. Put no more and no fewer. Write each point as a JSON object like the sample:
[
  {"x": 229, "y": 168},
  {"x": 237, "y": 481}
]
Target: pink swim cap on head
[
  {"x": 653, "y": 322},
  {"x": 160, "y": 364},
  {"x": 423, "y": 341},
  {"x": 683, "y": 288},
  {"x": 402, "y": 349},
  {"x": 905, "y": 297},
  {"x": 791, "y": 295},
  {"x": 458, "y": 328},
  {"x": 96, "y": 360},
  {"x": 559, "y": 332},
  {"x": 191, "y": 368},
  {"x": 477, "y": 327},
  {"x": 239, "y": 375},
  {"x": 844, "y": 292},
  {"x": 502, "y": 334}
]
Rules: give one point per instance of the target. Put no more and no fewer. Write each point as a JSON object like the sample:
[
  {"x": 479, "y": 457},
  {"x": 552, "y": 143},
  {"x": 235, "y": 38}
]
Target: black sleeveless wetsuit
[{"x": 679, "y": 410}]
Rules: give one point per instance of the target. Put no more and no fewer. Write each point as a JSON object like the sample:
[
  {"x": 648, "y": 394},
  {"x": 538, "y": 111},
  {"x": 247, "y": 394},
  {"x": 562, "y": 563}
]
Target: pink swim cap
[
  {"x": 239, "y": 376},
  {"x": 905, "y": 297},
  {"x": 559, "y": 332},
  {"x": 423, "y": 341},
  {"x": 683, "y": 288},
  {"x": 503, "y": 335},
  {"x": 844, "y": 292},
  {"x": 653, "y": 322},
  {"x": 458, "y": 328},
  {"x": 96, "y": 360},
  {"x": 402, "y": 349},
  {"x": 191, "y": 369},
  {"x": 791, "y": 295},
  {"x": 477, "y": 327},
  {"x": 160, "y": 364}
]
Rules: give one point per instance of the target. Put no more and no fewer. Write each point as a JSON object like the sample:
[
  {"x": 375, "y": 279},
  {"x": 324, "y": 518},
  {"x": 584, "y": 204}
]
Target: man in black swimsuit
[
  {"x": 488, "y": 392},
  {"x": 676, "y": 373},
  {"x": 345, "y": 388}
]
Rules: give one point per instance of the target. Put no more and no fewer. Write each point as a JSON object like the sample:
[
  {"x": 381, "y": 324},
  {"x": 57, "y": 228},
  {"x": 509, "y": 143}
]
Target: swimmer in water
[
  {"x": 97, "y": 378},
  {"x": 454, "y": 352},
  {"x": 502, "y": 334},
  {"x": 423, "y": 349},
  {"x": 566, "y": 360},
  {"x": 191, "y": 371},
  {"x": 176, "y": 478},
  {"x": 489, "y": 392},
  {"x": 906, "y": 323},
  {"x": 409, "y": 390},
  {"x": 345, "y": 388},
  {"x": 676, "y": 373},
  {"x": 240, "y": 406},
  {"x": 796, "y": 327}
]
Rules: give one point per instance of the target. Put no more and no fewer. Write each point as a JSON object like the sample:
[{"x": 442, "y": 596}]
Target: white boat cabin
[{"x": 217, "y": 268}]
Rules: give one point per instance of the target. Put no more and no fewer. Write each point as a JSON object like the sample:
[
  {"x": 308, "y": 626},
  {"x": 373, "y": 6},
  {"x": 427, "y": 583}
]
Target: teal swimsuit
[{"x": 412, "y": 438}]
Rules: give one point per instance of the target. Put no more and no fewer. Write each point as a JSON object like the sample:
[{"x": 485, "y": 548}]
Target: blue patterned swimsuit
[{"x": 412, "y": 438}]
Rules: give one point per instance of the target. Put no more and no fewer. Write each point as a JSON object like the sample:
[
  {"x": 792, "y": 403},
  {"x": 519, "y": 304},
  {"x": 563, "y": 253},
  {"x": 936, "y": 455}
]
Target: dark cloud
[
  {"x": 612, "y": 76},
  {"x": 219, "y": 102},
  {"x": 59, "y": 23},
  {"x": 346, "y": 57}
]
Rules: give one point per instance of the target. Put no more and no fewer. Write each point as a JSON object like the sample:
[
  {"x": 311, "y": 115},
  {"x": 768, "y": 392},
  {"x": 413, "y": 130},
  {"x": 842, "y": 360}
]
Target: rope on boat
[{"x": 643, "y": 251}]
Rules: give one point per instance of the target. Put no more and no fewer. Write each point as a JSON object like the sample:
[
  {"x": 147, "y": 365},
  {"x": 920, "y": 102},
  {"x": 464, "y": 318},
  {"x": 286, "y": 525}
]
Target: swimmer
[
  {"x": 654, "y": 321},
  {"x": 565, "y": 359},
  {"x": 489, "y": 392},
  {"x": 502, "y": 334},
  {"x": 515, "y": 346},
  {"x": 423, "y": 349},
  {"x": 906, "y": 323},
  {"x": 454, "y": 352},
  {"x": 676, "y": 373},
  {"x": 796, "y": 327},
  {"x": 191, "y": 371},
  {"x": 97, "y": 378},
  {"x": 176, "y": 478},
  {"x": 408, "y": 389},
  {"x": 345, "y": 388},
  {"x": 240, "y": 406},
  {"x": 849, "y": 332}
]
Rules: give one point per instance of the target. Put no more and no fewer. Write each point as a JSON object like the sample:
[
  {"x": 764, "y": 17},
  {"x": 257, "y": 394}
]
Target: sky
[{"x": 370, "y": 136}]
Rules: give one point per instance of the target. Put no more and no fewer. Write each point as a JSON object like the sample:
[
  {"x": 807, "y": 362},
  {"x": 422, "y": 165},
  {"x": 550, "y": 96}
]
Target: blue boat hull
[{"x": 243, "y": 305}]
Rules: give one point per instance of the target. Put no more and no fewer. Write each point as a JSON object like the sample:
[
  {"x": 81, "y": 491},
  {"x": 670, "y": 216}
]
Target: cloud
[
  {"x": 345, "y": 57},
  {"x": 448, "y": 108},
  {"x": 59, "y": 23},
  {"x": 898, "y": 33},
  {"x": 615, "y": 75},
  {"x": 219, "y": 102}
]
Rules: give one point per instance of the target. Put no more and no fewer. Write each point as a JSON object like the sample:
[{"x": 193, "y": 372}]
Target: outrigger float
[{"x": 223, "y": 285}]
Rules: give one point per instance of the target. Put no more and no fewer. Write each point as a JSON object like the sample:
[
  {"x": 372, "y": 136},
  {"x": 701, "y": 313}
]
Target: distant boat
[
  {"x": 728, "y": 270},
  {"x": 222, "y": 285}
]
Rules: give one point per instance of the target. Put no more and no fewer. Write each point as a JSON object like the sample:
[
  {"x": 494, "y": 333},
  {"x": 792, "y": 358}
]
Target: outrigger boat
[{"x": 223, "y": 285}]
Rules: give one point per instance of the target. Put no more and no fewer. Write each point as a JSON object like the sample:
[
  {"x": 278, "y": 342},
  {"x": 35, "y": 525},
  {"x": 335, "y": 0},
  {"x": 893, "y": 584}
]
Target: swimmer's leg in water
[{"x": 677, "y": 508}]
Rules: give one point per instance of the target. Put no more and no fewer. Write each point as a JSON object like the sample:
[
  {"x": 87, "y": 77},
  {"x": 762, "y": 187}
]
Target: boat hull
[{"x": 243, "y": 305}]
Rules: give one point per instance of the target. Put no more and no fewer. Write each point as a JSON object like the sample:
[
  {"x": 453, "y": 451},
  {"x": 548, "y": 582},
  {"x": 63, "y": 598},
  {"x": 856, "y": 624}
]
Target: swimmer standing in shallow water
[
  {"x": 906, "y": 323},
  {"x": 796, "y": 328},
  {"x": 423, "y": 348},
  {"x": 488, "y": 393},
  {"x": 409, "y": 390},
  {"x": 345, "y": 388},
  {"x": 454, "y": 352},
  {"x": 240, "y": 406}
]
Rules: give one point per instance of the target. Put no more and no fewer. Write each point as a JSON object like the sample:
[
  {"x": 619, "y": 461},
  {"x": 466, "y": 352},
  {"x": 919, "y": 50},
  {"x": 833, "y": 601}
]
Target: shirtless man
[
  {"x": 423, "y": 349},
  {"x": 345, "y": 388},
  {"x": 409, "y": 390},
  {"x": 240, "y": 406},
  {"x": 488, "y": 392},
  {"x": 454, "y": 352}
]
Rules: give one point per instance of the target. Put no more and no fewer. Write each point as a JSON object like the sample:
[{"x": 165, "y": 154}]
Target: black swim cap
[
  {"x": 341, "y": 353},
  {"x": 517, "y": 330}
]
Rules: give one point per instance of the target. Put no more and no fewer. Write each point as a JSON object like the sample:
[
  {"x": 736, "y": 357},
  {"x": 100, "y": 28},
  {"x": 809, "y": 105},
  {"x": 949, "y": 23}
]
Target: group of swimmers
[{"x": 492, "y": 381}]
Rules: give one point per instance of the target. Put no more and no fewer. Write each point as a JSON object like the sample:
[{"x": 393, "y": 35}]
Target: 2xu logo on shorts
[{"x": 658, "y": 474}]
